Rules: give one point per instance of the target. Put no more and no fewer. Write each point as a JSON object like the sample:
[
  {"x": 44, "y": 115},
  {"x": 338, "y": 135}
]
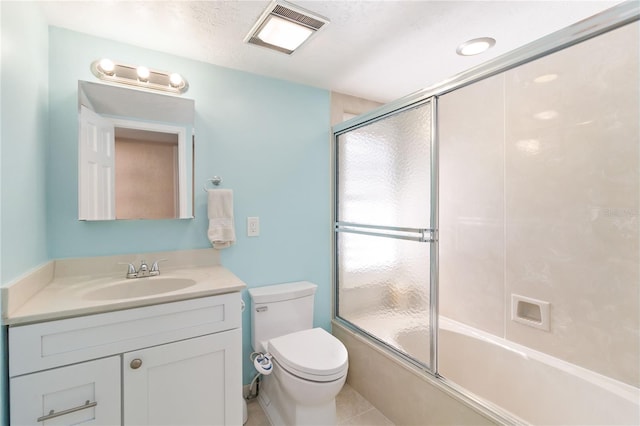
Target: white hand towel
[{"x": 221, "y": 231}]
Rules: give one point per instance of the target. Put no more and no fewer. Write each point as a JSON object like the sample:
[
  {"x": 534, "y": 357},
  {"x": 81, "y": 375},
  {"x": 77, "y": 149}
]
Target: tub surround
[
  {"x": 539, "y": 197},
  {"x": 523, "y": 384},
  {"x": 403, "y": 394},
  {"x": 531, "y": 384},
  {"x": 64, "y": 288}
]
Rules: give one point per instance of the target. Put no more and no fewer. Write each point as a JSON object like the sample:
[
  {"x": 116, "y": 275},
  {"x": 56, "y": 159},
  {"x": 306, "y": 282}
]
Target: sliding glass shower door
[{"x": 385, "y": 230}]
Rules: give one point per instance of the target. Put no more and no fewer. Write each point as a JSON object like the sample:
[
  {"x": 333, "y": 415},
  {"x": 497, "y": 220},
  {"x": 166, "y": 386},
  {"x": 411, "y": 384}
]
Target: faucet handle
[
  {"x": 131, "y": 270},
  {"x": 155, "y": 269}
]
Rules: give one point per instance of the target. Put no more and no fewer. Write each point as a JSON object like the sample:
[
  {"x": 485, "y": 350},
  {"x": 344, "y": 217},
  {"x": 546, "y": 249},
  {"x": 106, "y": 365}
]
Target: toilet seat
[{"x": 311, "y": 354}]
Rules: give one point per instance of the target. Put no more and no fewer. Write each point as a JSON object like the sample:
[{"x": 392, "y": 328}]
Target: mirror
[{"x": 136, "y": 150}]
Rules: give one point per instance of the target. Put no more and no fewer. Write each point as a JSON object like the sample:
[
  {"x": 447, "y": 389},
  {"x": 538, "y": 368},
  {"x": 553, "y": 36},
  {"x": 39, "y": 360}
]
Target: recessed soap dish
[{"x": 531, "y": 312}]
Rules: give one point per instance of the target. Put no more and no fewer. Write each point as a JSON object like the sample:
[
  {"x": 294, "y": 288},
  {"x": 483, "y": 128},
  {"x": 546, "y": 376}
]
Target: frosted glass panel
[
  {"x": 383, "y": 171},
  {"x": 384, "y": 187},
  {"x": 384, "y": 290}
]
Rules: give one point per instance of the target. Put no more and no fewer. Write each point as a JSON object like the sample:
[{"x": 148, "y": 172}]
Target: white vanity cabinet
[
  {"x": 182, "y": 383},
  {"x": 85, "y": 393},
  {"x": 175, "y": 363}
]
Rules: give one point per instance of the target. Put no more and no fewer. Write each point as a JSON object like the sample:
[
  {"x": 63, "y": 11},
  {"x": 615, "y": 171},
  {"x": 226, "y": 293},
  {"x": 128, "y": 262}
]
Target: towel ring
[{"x": 216, "y": 180}]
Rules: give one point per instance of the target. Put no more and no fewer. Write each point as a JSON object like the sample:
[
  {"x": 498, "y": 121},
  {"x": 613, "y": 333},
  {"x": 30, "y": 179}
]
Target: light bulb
[
  {"x": 107, "y": 66},
  {"x": 143, "y": 73},
  {"x": 176, "y": 80}
]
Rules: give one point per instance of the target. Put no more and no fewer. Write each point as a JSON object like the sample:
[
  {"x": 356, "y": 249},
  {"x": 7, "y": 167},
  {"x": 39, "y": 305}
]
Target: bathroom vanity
[{"x": 169, "y": 358}]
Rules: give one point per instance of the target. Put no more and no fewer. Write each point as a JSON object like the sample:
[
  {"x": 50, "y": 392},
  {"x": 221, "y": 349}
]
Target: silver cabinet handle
[
  {"x": 136, "y": 363},
  {"x": 52, "y": 414}
]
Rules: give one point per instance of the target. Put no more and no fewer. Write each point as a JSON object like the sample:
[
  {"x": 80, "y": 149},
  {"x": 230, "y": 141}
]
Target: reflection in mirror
[
  {"x": 152, "y": 191},
  {"x": 135, "y": 154}
]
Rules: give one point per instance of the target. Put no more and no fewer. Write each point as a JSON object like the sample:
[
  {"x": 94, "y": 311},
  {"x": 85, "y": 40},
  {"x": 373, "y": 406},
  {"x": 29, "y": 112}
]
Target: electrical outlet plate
[{"x": 253, "y": 226}]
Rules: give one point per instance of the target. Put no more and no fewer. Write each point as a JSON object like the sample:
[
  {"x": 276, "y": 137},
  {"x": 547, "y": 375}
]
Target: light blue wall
[
  {"x": 23, "y": 146},
  {"x": 24, "y": 138},
  {"x": 267, "y": 138}
]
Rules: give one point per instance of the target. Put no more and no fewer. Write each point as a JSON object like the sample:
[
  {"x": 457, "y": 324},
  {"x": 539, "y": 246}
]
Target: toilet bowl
[
  {"x": 309, "y": 369},
  {"x": 309, "y": 364}
]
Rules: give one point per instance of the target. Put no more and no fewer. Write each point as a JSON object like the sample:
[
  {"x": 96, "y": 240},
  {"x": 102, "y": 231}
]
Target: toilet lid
[{"x": 311, "y": 354}]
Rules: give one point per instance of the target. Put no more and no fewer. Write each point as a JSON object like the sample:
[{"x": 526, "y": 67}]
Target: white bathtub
[{"x": 538, "y": 388}]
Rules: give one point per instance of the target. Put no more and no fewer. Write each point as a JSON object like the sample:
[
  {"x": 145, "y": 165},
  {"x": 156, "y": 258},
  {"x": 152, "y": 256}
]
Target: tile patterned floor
[{"x": 351, "y": 409}]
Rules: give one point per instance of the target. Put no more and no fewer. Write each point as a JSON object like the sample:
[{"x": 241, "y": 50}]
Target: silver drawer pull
[
  {"x": 136, "y": 363},
  {"x": 52, "y": 414}
]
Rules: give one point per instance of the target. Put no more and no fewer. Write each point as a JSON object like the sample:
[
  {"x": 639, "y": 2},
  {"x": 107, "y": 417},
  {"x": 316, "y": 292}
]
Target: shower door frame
[
  {"x": 428, "y": 235},
  {"x": 608, "y": 20}
]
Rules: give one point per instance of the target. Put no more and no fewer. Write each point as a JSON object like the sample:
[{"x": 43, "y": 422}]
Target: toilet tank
[{"x": 280, "y": 309}]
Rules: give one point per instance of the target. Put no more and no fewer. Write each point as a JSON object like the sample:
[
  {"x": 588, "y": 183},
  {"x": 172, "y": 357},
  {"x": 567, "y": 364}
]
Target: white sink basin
[{"x": 139, "y": 287}]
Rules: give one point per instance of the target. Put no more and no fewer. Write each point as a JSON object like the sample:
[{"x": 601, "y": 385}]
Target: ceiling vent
[{"x": 285, "y": 27}]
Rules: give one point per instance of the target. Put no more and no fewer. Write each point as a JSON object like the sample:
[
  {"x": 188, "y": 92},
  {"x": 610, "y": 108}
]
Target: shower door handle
[{"x": 422, "y": 235}]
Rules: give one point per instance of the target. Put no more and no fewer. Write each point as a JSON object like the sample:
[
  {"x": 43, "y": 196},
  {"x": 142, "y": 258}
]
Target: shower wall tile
[
  {"x": 572, "y": 199},
  {"x": 471, "y": 132}
]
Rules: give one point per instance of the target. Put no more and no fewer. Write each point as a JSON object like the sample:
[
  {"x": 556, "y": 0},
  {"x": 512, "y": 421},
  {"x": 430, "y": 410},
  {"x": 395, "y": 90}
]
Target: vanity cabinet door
[
  {"x": 85, "y": 393},
  {"x": 191, "y": 382}
]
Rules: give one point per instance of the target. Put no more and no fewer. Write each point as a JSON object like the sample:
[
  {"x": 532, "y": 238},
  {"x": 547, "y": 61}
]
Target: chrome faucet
[{"x": 144, "y": 270}]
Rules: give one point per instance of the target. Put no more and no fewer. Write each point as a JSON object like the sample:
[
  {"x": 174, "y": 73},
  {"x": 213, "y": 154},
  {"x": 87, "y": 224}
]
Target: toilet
[{"x": 309, "y": 364}]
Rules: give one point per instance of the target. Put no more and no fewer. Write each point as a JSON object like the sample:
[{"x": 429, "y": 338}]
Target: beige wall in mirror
[
  {"x": 135, "y": 158},
  {"x": 150, "y": 191}
]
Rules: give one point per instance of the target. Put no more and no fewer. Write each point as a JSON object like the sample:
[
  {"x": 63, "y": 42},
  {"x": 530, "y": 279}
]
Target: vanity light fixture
[
  {"x": 284, "y": 27},
  {"x": 475, "y": 46},
  {"x": 141, "y": 76}
]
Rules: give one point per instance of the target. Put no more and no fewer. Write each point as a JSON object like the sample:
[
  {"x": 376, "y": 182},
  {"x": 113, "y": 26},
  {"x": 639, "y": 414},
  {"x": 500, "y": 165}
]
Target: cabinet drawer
[
  {"x": 86, "y": 393},
  {"x": 51, "y": 344}
]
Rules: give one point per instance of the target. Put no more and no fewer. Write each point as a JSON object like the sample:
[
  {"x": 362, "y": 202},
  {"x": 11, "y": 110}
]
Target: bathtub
[{"x": 532, "y": 386}]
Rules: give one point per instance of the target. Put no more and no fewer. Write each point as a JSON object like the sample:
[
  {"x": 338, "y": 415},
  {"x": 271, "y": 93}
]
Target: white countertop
[{"x": 70, "y": 296}]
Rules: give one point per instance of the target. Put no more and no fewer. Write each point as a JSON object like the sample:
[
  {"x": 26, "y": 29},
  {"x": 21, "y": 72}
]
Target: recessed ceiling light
[
  {"x": 284, "y": 27},
  {"x": 475, "y": 46}
]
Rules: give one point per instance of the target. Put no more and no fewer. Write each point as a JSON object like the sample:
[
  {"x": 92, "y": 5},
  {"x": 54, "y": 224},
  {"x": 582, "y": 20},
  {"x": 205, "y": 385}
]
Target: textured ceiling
[{"x": 380, "y": 50}]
